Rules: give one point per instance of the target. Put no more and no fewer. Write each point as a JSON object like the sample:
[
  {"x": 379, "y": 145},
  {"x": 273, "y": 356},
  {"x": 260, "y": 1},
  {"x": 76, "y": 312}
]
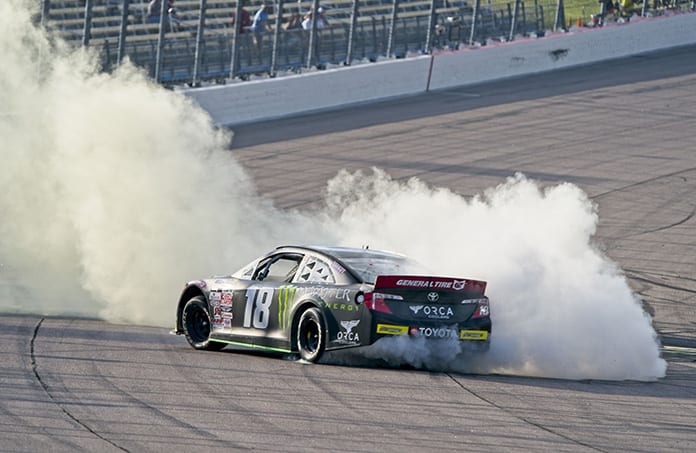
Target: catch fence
[{"x": 190, "y": 41}]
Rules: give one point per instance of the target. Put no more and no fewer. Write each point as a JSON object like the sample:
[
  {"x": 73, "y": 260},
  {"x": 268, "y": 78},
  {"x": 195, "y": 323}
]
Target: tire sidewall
[
  {"x": 196, "y": 306},
  {"x": 311, "y": 315}
]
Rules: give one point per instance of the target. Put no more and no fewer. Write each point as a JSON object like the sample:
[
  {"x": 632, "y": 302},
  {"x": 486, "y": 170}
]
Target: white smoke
[
  {"x": 560, "y": 308},
  {"x": 116, "y": 191}
]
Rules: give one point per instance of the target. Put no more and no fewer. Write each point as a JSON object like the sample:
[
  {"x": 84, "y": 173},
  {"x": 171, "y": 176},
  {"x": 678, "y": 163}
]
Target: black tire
[
  {"x": 311, "y": 335},
  {"x": 195, "y": 320}
]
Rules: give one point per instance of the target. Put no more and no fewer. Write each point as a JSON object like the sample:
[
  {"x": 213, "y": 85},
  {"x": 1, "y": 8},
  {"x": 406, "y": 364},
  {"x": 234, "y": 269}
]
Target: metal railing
[{"x": 196, "y": 40}]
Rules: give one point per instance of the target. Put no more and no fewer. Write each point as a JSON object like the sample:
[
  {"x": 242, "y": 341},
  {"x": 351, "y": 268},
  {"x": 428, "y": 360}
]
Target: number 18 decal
[{"x": 258, "y": 307}]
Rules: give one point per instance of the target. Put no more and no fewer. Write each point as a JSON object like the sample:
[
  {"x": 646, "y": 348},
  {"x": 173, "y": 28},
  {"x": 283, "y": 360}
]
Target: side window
[
  {"x": 316, "y": 271},
  {"x": 278, "y": 268}
]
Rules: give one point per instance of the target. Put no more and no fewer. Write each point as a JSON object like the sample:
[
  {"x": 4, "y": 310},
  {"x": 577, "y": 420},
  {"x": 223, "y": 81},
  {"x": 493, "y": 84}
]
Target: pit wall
[{"x": 259, "y": 100}]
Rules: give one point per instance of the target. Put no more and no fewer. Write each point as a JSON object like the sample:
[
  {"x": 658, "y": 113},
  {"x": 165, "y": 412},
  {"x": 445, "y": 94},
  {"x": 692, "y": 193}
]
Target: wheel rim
[
  {"x": 309, "y": 337},
  {"x": 199, "y": 326}
]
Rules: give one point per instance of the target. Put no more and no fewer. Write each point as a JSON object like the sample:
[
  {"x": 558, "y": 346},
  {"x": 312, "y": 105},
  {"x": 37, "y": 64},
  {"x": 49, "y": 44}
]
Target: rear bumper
[{"x": 436, "y": 332}]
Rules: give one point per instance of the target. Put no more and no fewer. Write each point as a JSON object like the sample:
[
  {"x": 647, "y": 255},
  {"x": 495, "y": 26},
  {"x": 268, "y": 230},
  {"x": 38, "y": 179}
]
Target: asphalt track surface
[{"x": 624, "y": 131}]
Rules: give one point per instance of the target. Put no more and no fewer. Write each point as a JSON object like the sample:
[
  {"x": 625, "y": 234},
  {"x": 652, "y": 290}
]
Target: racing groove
[{"x": 622, "y": 131}]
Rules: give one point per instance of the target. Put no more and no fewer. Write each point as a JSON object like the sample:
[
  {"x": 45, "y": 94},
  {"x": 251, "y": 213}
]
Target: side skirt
[{"x": 246, "y": 342}]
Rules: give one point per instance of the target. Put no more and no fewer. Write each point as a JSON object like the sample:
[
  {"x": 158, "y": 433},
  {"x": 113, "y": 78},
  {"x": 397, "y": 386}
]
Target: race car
[{"x": 308, "y": 300}]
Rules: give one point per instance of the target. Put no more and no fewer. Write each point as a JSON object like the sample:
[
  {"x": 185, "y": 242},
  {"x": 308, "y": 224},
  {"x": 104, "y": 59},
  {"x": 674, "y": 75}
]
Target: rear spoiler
[{"x": 429, "y": 283}]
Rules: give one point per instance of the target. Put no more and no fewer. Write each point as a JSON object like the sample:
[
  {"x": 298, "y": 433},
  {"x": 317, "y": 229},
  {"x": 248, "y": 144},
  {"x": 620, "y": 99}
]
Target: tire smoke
[{"x": 116, "y": 191}]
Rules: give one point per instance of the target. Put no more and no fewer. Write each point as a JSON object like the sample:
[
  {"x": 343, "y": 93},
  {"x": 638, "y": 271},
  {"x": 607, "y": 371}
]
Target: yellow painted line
[{"x": 679, "y": 350}]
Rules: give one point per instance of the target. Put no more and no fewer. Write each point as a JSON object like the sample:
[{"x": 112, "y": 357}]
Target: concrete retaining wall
[
  {"x": 272, "y": 98},
  {"x": 580, "y": 46}
]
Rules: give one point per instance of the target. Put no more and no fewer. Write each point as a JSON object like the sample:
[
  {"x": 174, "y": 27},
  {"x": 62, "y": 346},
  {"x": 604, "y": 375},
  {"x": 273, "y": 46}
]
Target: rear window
[{"x": 369, "y": 265}]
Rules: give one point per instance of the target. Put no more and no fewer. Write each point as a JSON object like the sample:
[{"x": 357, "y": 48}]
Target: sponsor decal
[
  {"x": 433, "y": 296},
  {"x": 324, "y": 292},
  {"x": 424, "y": 284},
  {"x": 435, "y": 332},
  {"x": 389, "y": 329},
  {"x": 341, "y": 306},
  {"x": 432, "y": 311},
  {"x": 218, "y": 321},
  {"x": 474, "y": 301},
  {"x": 286, "y": 297},
  {"x": 337, "y": 267},
  {"x": 330, "y": 297},
  {"x": 432, "y": 283},
  {"x": 458, "y": 285},
  {"x": 415, "y": 308},
  {"x": 473, "y": 335},
  {"x": 227, "y": 323},
  {"x": 347, "y": 335}
]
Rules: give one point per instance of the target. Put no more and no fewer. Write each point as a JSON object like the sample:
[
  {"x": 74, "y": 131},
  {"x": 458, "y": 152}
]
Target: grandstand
[{"x": 360, "y": 29}]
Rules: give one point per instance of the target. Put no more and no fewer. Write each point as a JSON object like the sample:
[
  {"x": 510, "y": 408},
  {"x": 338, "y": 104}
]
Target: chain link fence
[{"x": 196, "y": 41}]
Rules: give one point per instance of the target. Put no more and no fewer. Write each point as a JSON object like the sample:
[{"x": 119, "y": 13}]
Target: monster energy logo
[{"x": 286, "y": 296}]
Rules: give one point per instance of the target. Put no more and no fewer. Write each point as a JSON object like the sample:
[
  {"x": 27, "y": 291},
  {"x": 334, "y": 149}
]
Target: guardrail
[{"x": 190, "y": 41}]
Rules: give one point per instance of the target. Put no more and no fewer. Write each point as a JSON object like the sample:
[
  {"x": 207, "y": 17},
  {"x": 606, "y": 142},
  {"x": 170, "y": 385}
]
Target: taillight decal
[{"x": 375, "y": 302}]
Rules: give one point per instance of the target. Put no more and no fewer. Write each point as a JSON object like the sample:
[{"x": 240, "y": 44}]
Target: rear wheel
[
  {"x": 195, "y": 320},
  {"x": 311, "y": 337}
]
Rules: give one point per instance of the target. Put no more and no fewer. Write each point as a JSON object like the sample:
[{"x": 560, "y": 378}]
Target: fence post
[
  {"x": 160, "y": 40},
  {"x": 312, "y": 34},
  {"x": 199, "y": 43},
  {"x": 351, "y": 32},
  {"x": 644, "y": 10},
  {"x": 431, "y": 27},
  {"x": 122, "y": 32},
  {"x": 560, "y": 21},
  {"x": 513, "y": 21},
  {"x": 276, "y": 37},
  {"x": 87, "y": 30},
  {"x": 392, "y": 28},
  {"x": 234, "y": 59},
  {"x": 45, "y": 11},
  {"x": 474, "y": 21}
]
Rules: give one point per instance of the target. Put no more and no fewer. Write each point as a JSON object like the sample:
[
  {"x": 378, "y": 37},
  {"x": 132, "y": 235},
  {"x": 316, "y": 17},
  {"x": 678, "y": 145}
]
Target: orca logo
[
  {"x": 348, "y": 335},
  {"x": 415, "y": 308}
]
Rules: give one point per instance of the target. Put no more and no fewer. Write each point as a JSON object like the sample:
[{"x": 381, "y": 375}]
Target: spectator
[
  {"x": 260, "y": 25},
  {"x": 174, "y": 20},
  {"x": 245, "y": 23},
  {"x": 321, "y": 20},
  {"x": 295, "y": 21},
  {"x": 154, "y": 9}
]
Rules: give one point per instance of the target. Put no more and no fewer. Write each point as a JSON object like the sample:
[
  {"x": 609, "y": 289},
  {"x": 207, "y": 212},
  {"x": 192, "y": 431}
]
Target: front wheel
[
  {"x": 311, "y": 337},
  {"x": 196, "y": 323}
]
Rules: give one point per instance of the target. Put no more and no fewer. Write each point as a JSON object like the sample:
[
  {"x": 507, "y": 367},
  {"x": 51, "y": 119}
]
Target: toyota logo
[{"x": 433, "y": 297}]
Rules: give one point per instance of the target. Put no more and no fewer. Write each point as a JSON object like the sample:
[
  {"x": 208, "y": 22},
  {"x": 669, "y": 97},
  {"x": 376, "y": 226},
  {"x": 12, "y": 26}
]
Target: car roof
[{"x": 337, "y": 251}]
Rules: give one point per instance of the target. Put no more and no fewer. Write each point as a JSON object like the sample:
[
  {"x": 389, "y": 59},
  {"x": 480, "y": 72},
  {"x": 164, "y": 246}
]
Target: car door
[{"x": 259, "y": 306}]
